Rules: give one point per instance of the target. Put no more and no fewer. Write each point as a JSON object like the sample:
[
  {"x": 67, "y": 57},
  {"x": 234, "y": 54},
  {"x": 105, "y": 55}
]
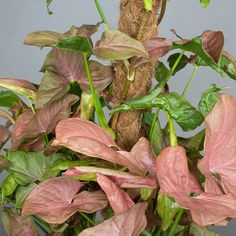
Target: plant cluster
[{"x": 66, "y": 174}]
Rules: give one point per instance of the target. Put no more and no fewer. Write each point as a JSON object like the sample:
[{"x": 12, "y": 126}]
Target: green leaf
[
  {"x": 115, "y": 45},
  {"x": 187, "y": 116},
  {"x": 21, "y": 194},
  {"x": 209, "y": 99},
  {"x": 161, "y": 71},
  {"x": 225, "y": 66},
  {"x": 48, "y": 4},
  {"x": 196, "y": 230},
  {"x": 167, "y": 209},
  {"x": 9, "y": 186},
  {"x": 81, "y": 44},
  {"x": 28, "y": 167},
  {"x": 205, "y": 3},
  {"x": 194, "y": 143},
  {"x": 183, "y": 62},
  {"x": 145, "y": 193},
  {"x": 8, "y": 98}
]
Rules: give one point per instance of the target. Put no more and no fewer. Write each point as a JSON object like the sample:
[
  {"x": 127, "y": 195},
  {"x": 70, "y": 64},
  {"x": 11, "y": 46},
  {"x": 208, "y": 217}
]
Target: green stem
[
  {"x": 87, "y": 218},
  {"x": 43, "y": 225},
  {"x": 8, "y": 116},
  {"x": 190, "y": 80},
  {"x": 157, "y": 232},
  {"x": 30, "y": 104},
  {"x": 173, "y": 137},
  {"x": 154, "y": 123},
  {"x": 98, "y": 107},
  {"x": 145, "y": 233},
  {"x": 176, "y": 222},
  {"x": 175, "y": 65},
  {"x": 102, "y": 15}
]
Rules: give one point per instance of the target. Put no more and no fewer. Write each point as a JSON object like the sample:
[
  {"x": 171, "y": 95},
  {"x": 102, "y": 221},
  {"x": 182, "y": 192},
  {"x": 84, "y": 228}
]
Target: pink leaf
[
  {"x": 173, "y": 173},
  {"x": 88, "y": 138},
  {"x": 4, "y": 135},
  {"x": 44, "y": 121},
  {"x": 122, "y": 179},
  {"x": 130, "y": 222},
  {"x": 16, "y": 225},
  {"x": 156, "y": 48},
  {"x": 220, "y": 148},
  {"x": 118, "y": 198},
  {"x": 55, "y": 200}
]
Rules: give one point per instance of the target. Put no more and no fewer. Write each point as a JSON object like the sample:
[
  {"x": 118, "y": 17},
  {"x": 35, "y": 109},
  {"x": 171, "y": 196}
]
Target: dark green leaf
[
  {"x": 183, "y": 62},
  {"x": 77, "y": 43},
  {"x": 8, "y": 98},
  {"x": 209, "y": 55},
  {"x": 9, "y": 186},
  {"x": 161, "y": 71},
  {"x": 208, "y": 99},
  {"x": 167, "y": 209},
  {"x": 196, "y": 230},
  {"x": 28, "y": 167},
  {"x": 21, "y": 194},
  {"x": 48, "y": 4},
  {"x": 194, "y": 143},
  {"x": 178, "y": 107},
  {"x": 205, "y": 3}
]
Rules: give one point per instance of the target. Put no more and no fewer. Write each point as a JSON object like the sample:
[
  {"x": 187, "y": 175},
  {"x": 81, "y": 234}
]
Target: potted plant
[{"x": 74, "y": 169}]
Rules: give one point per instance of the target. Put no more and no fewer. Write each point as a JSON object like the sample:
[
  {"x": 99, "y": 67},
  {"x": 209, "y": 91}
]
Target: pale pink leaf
[
  {"x": 118, "y": 198},
  {"x": 130, "y": 222},
  {"x": 220, "y": 148},
  {"x": 120, "y": 178},
  {"x": 56, "y": 199},
  {"x": 88, "y": 138},
  {"x": 16, "y": 225}
]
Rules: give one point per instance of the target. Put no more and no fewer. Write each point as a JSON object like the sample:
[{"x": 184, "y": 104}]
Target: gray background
[{"x": 19, "y": 17}]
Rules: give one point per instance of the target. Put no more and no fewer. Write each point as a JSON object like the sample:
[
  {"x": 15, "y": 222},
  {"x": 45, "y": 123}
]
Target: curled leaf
[
  {"x": 4, "y": 135},
  {"x": 119, "y": 200},
  {"x": 118, "y": 226}
]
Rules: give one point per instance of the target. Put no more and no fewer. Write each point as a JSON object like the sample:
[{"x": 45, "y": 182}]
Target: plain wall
[{"x": 19, "y": 17}]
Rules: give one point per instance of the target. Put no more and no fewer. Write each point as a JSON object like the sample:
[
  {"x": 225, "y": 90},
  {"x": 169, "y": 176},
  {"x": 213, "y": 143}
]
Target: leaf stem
[
  {"x": 43, "y": 225},
  {"x": 176, "y": 222},
  {"x": 98, "y": 107},
  {"x": 173, "y": 137},
  {"x": 190, "y": 80},
  {"x": 87, "y": 218},
  {"x": 30, "y": 104},
  {"x": 102, "y": 15},
  {"x": 7, "y": 116},
  {"x": 154, "y": 123}
]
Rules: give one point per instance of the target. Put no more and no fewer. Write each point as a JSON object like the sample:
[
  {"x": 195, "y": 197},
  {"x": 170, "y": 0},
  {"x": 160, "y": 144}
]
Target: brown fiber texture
[{"x": 140, "y": 24}]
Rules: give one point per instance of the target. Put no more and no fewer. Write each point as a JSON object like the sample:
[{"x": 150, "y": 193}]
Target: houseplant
[{"x": 59, "y": 108}]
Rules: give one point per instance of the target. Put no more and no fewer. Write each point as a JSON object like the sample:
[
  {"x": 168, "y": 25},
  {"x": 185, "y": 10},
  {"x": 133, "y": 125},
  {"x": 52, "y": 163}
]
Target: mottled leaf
[
  {"x": 56, "y": 200},
  {"x": 130, "y": 222},
  {"x": 196, "y": 230},
  {"x": 115, "y": 45},
  {"x": 16, "y": 225},
  {"x": 9, "y": 185}
]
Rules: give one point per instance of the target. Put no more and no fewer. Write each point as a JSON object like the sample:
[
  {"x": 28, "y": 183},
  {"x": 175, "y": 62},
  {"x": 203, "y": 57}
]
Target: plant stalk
[
  {"x": 104, "y": 19},
  {"x": 176, "y": 222},
  {"x": 173, "y": 137},
  {"x": 98, "y": 107},
  {"x": 190, "y": 80}
]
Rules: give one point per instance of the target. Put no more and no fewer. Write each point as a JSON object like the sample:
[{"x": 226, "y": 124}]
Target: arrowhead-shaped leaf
[
  {"x": 56, "y": 200},
  {"x": 115, "y": 45}
]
